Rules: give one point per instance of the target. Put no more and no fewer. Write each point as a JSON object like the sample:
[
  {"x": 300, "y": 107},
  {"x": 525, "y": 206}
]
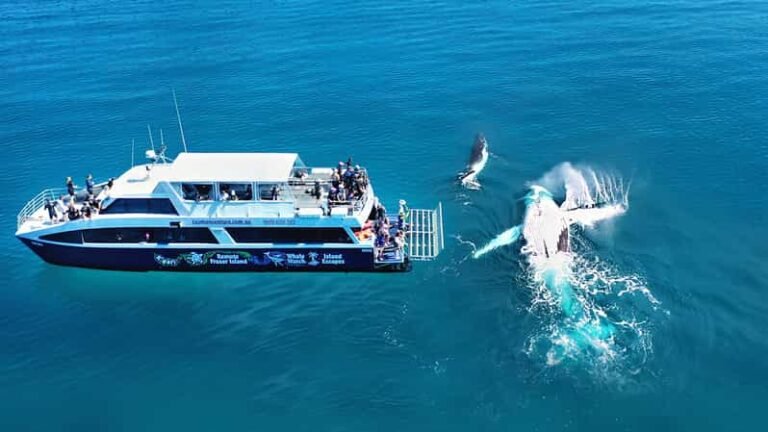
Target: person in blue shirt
[
  {"x": 89, "y": 184},
  {"x": 349, "y": 176}
]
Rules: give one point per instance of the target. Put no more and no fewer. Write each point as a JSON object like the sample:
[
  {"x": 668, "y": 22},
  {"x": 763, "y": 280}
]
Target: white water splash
[
  {"x": 604, "y": 295},
  {"x": 578, "y": 299}
]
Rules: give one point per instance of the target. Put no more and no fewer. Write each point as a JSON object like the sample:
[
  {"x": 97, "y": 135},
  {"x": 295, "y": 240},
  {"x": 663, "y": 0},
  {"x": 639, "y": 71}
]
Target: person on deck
[
  {"x": 349, "y": 177},
  {"x": 335, "y": 178},
  {"x": 70, "y": 187},
  {"x": 72, "y": 212},
  {"x": 86, "y": 211},
  {"x": 51, "y": 208},
  {"x": 379, "y": 244},
  {"x": 89, "y": 184},
  {"x": 333, "y": 196},
  {"x": 401, "y": 221},
  {"x": 94, "y": 203},
  {"x": 400, "y": 240}
]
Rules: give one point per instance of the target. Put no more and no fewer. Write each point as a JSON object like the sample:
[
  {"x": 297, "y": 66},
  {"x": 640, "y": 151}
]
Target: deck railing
[
  {"x": 37, "y": 203},
  {"x": 324, "y": 179}
]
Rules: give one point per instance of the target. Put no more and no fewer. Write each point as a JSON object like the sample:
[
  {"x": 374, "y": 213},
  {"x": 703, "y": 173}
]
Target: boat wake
[{"x": 584, "y": 303}]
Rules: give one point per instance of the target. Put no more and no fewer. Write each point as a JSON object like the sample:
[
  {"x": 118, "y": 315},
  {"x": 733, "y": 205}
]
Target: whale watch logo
[
  {"x": 197, "y": 259},
  {"x": 242, "y": 258}
]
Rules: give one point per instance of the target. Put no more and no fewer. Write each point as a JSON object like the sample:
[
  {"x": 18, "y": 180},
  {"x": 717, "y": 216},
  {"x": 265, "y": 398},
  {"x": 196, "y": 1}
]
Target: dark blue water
[{"x": 673, "y": 96}]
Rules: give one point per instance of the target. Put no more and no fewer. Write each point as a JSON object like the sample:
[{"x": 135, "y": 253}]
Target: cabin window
[
  {"x": 115, "y": 235},
  {"x": 236, "y": 191},
  {"x": 197, "y": 191},
  {"x": 64, "y": 237},
  {"x": 270, "y": 192},
  {"x": 290, "y": 235},
  {"x": 149, "y": 235},
  {"x": 140, "y": 205}
]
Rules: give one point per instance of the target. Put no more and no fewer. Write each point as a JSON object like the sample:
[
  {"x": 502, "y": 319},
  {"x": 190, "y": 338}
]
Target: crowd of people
[
  {"x": 67, "y": 207},
  {"x": 389, "y": 237},
  {"x": 348, "y": 183}
]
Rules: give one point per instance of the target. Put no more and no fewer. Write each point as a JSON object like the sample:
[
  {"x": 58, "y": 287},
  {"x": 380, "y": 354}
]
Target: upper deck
[{"x": 227, "y": 185}]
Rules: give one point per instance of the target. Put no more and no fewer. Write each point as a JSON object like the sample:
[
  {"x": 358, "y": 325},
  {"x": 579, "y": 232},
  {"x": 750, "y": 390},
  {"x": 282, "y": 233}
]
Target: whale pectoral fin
[
  {"x": 463, "y": 175},
  {"x": 507, "y": 237},
  {"x": 589, "y": 216}
]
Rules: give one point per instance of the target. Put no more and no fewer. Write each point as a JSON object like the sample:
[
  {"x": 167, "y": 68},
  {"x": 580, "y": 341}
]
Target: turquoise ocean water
[{"x": 670, "y": 95}]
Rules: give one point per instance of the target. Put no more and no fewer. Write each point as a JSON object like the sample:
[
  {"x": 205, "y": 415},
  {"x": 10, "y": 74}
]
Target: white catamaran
[{"x": 229, "y": 212}]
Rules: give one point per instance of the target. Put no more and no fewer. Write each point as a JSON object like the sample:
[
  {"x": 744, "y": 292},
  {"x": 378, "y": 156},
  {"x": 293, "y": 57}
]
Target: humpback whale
[
  {"x": 477, "y": 160},
  {"x": 545, "y": 231}
]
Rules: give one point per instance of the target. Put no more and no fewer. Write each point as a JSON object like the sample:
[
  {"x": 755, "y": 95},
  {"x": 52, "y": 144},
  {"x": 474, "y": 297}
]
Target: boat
[{"x": 229, "y": 212}]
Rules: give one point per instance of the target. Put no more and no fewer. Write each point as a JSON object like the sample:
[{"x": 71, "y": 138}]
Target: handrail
[{"x": 38, "y": 202}]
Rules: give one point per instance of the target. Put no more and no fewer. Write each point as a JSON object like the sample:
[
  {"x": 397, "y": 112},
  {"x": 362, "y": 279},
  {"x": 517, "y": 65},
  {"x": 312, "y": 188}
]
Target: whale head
[{"x": 545, "y": 226}]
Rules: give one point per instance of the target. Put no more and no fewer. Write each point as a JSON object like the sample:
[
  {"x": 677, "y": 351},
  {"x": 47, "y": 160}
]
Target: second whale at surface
[{"x": 478, "y": 158}]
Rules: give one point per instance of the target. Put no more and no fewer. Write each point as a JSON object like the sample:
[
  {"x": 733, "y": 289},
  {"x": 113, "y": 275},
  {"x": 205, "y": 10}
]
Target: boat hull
[{"x": 211, "y": 259}]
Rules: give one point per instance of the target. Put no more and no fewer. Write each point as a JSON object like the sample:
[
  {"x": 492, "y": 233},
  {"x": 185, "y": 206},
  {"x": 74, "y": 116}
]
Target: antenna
[
  {"x": 151, "y": 141},
  {"x": 162, "y": 142},
  {"x": 178, "y": 117},
  {"x": 133, "y": 151}
]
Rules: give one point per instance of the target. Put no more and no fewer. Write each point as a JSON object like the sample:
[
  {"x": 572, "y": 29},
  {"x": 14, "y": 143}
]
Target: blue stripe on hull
[{"x": 207, "y": 259}]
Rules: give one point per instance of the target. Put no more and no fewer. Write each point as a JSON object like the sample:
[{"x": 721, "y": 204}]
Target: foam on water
[
  {"x": 577, "y": 295},
  {"x": 605, "y": 331}
]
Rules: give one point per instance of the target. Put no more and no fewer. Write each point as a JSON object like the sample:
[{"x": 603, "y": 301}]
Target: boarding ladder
[{"x": 424, "y": 239}]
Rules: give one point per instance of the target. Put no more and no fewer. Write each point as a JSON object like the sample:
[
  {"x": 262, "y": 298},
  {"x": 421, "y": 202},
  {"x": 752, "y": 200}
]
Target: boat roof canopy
[{"x": 232, "y": 167}]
